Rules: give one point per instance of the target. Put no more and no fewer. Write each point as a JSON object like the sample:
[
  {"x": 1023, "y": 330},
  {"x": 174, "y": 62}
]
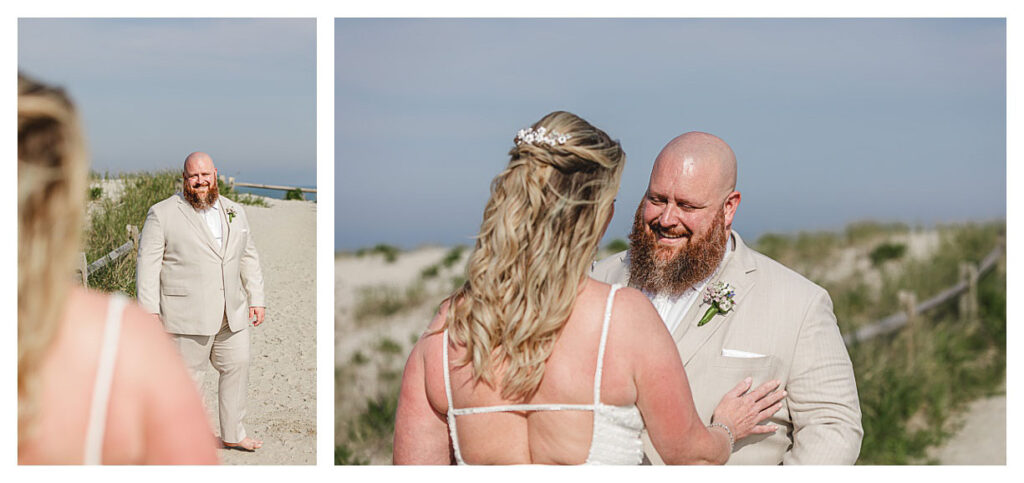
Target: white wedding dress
[
  {"x": 96, "y": 429},
  {"x": 616, "y": 437}
]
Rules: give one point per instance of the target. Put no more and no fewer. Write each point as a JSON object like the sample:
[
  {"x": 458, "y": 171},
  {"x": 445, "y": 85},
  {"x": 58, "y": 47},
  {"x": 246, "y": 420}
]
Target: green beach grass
[{"x": 909, "y": 387}]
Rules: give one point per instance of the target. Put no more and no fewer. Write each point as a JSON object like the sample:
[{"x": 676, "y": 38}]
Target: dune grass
[
  {"x": 378, "y": 302},
  {"x": 448, "y": 261},
  {"x": 389, "y": 252},
  {"x": 369, "y": 433},
  {"x": 909, "y": 387},
  {"x": 107, "y": 227}
]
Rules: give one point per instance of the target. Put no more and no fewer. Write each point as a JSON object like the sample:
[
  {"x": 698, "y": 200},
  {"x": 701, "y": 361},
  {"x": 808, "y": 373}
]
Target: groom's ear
[{"x": 731, "y": 203}]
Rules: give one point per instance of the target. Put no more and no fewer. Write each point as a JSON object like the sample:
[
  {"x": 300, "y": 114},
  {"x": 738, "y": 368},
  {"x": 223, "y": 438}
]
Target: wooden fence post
[
  {"x": 908, "y": 300},
  {"x": 972, "y": 290},
  {"x": 964, "y": 303},
  {"x": 133, "y": 235},
  {"x": 83, "y": 268},
  {"x": 231, "y": 182},
  {"x": 969, "y": 298}
]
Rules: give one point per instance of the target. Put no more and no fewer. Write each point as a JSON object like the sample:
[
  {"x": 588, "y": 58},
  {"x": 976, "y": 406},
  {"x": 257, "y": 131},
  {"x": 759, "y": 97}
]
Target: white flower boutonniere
[
  {"x": 719, "y": 296},
  {"x": 231, "y": 214}
]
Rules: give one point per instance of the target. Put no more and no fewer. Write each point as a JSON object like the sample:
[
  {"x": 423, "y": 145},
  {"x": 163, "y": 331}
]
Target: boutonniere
[
  {"x": 231, "y": 214},
  {"x": 719, "y": 296}
]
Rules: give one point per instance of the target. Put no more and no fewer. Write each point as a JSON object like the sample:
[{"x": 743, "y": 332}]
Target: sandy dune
[
  {"x": 282, "y": 375},
  {"x": 365, "y": 338}
]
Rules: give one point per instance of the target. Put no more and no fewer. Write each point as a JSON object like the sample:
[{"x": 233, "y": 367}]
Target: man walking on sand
[
  {"x": 763, "y": 320},
  {"x": 199, "y": 272}
]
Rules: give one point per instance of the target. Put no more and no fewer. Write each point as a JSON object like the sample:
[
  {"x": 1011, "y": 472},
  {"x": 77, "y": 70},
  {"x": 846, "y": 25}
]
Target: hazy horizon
[
  {"x": 152, "y": 90},
  {"x": 833, "y": 121}
]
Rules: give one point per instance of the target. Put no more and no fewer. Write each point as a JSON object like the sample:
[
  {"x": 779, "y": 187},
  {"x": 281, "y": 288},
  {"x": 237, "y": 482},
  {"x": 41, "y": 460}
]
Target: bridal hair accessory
[
  {"x": 719, "y": 296},
  {"x": 732, "y": 442},
  {"x": 541, "y": 135}
]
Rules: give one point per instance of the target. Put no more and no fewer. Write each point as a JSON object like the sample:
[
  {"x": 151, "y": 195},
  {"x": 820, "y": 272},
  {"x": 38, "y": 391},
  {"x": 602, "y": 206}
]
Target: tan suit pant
[{"x": 228, "y": 352}]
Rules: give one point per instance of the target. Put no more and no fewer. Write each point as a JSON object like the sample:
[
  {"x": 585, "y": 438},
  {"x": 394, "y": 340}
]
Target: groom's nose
[{"x": 668, "y": 218}]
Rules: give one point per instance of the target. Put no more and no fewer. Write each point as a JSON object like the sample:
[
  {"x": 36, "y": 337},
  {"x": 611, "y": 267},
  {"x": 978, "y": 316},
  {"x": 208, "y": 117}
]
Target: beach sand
[
  {"x": 281, "y": 409},
  {"x": 980, "y": 438}
]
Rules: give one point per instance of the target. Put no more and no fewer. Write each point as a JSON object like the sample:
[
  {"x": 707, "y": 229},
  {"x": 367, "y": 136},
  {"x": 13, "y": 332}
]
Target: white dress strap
[
  {"x": 447, "y": 378},
  {"x": 453, "y": 430},
  {"x": 604, "y": 340},
  {"x": 104, "y": 378}
]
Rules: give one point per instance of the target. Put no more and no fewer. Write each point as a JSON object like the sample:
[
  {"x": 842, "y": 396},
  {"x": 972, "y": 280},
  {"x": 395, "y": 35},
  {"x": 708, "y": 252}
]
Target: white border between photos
[
  {"x": 325, "y": 240},
  {"x": 325, "y": 13}
]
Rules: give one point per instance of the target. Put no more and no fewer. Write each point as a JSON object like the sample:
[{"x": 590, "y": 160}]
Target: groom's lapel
[
  {"x": 225, "y": 228},
  {"x": 197, "y": 223},
  {"x": 736, "y": 272}
]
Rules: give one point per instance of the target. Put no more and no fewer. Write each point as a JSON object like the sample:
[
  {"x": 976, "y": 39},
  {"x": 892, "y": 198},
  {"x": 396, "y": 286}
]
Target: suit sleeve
[
  {"x": 823, "y": 402},
  {"x": 148, "y": 262},
  {"x": 612, "y": 269},
  {"x": 252, "y": 275}
]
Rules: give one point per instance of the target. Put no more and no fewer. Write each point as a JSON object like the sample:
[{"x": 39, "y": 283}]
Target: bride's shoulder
[
  {"x": 632, "y": 311},
  {"x": 630, "y": 297},
  {"x": 627, "y": 299},
  {"x": 440, "y": 314}
]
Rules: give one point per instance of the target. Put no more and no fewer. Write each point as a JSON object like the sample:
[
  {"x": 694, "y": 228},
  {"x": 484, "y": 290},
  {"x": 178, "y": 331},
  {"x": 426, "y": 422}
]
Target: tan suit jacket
[
  {"x": 183, "y": 276},
  {"x": 789, "y": 320}
]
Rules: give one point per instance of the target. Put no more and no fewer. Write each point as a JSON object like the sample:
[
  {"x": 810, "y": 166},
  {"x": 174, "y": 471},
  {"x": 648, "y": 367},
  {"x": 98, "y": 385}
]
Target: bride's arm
[
  {"x": 665, "y": 400},
  {"x": 421, "y": 433},
  {"x": 175, "y": 430}
]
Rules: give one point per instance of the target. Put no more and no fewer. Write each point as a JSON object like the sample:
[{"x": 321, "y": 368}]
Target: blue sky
[
  {"x": 151, "y": 91},
  {"x": 832, "y": 120}
]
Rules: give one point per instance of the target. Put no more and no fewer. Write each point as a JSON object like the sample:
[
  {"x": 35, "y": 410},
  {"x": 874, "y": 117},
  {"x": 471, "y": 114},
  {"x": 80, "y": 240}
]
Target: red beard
[
  {"x": 693, "y": 263},
  {"x": 198, "y": 200}
]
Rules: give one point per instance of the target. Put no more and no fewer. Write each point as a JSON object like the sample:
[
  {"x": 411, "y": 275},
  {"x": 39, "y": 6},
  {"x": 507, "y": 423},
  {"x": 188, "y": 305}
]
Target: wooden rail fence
[
  {"x": 230, "y": 181},
  {"x": 85, "y": 268},
  {"x": 966, "y": 290}
]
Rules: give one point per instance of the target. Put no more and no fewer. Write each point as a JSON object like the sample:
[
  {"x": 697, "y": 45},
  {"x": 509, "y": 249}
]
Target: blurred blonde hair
[
  {"x": 540, "y": 233},
  {"x": 52, "y": 170}
]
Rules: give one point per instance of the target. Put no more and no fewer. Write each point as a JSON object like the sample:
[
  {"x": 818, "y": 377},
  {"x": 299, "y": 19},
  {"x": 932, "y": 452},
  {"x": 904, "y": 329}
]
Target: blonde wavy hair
[
  {"x": 52, "y": 171},
  {"x": 540, "y": 233}
]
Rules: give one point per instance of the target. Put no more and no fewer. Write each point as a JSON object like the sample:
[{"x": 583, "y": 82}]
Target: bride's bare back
[
  {"x": 545, "y": 437},
  {"x": 154, "y": 414},
  {"x": 633, "y": 364}
]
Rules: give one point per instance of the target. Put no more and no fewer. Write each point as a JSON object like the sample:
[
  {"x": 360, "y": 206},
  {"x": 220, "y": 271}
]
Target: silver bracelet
[{"x": 727, "y": 431}]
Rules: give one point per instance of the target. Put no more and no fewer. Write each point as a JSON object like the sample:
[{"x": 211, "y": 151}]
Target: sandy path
[
  {"x": 282, "y": 375},
  {"x": 981, "y": 439}
]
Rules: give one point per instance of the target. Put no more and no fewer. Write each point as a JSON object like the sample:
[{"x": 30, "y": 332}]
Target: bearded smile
[
  {"x": 666, "y": 237},
  {"x": 672, "y": 260},
  {"x": 201, "y": 195}
]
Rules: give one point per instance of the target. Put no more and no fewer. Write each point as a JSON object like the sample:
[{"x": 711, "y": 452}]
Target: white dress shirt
[
  {"x": 212, "y": 217},
  {"x": 673, "y": 308}
]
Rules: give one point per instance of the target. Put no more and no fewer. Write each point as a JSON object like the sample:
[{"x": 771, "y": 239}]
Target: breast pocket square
[{"x": 741, "y": 354}]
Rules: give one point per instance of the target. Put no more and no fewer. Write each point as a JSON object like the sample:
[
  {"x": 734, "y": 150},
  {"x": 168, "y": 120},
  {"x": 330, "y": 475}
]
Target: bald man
[
  {"x": 781, "y": 325},
  {"x": 198, "y": 271}
]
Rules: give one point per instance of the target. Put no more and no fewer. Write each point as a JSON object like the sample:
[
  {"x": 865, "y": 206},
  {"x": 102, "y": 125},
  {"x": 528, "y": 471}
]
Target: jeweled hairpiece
[{"x": 541, "y": 135}]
